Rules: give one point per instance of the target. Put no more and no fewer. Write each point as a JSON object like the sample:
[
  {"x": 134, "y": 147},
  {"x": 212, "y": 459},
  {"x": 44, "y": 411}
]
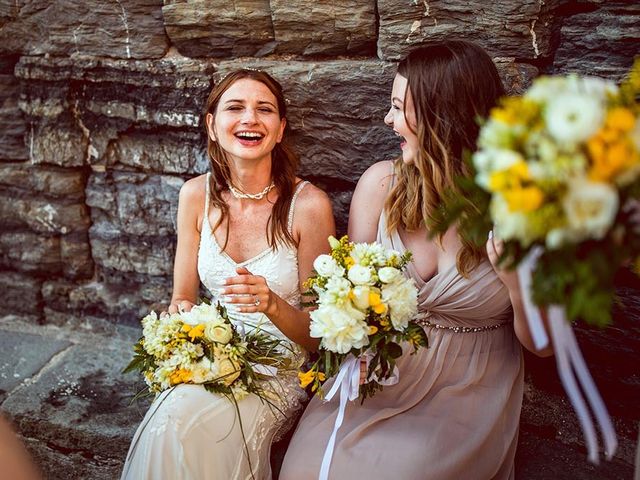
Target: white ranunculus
[
  {"x": 218, "y": 331},
  {"x": 590, "y": 208},
  {"x": 204, "y": 371},
  {"x": 326, "y": 266},
  {"x": 339, "y": 329},
  {"x": 360, "y": 275},
  {"x": 361, "y": 297},
  {"x": 389, "y": 274},
  {"x": 200, "y": 314},
  {"x": 402, "y": 299},
  {"x": 573, "y": 118}
]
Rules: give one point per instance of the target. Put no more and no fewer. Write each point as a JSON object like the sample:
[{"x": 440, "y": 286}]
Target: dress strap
[
  {"x": 293, "y": 204},
  {"x": 207, "y": 200}
]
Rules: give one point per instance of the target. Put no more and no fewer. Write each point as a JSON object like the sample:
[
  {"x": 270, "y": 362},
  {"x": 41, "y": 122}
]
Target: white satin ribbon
[
  {"x": 348, "y": 381},
  {"x": 572, "y": 368},
  {"x": 536, "y": 327}
]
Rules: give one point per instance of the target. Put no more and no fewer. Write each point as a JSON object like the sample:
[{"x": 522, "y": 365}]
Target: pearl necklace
[{"x": 253, "y": 196}]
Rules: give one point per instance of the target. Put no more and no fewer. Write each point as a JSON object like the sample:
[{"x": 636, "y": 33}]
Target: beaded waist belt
[{"x": 423, "y": 322}]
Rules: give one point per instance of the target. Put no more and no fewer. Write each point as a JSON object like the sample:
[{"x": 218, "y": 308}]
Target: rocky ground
[{"x": 64, "y": 391}]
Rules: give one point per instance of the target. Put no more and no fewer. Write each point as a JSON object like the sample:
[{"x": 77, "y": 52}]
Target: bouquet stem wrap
[{"x": 572, "y": 369}]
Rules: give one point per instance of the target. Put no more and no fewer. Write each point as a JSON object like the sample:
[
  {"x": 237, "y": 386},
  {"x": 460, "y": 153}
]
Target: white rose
[
  {"x": 339, "y": 330},
  {"x": 326, "y": 266},
  {"x": 360, "y": 275},
  {"x": 389, "y": 274},
  {"x": 360, "y": 296},
  {"x": 218, "y": 331},
  {"x": 573, "y": 118},
  {"x": 590, "y": 208}
]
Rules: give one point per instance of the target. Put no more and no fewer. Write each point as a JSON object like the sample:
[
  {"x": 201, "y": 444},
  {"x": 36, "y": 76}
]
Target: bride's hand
[
  {"x": 179, "y": 306},
  {"x": 249, "y": 293},
  {"x": 495, "y": 247}
]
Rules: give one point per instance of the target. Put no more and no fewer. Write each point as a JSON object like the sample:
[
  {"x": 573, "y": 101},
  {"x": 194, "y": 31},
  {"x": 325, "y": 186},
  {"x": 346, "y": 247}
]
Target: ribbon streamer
[
  {"x": 348, "y": 381},
  {"x": 572, "y": 369},
  {"x": 536, "y": 327}
]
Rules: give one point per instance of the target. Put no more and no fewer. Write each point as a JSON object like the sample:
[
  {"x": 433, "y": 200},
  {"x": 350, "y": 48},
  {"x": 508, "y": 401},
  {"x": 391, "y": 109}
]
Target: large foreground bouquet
[
  {"x": 365, "y": 307},
  {"x": 203, "y": 347},
  {"x": 557, "y": 177},
  {"x": 556, "y": 172}
]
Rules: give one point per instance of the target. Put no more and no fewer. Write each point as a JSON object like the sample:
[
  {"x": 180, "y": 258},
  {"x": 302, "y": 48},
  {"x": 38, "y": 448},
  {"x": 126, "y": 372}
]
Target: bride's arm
[
  {"x": 313, "y": 224},
  {"x": 367, "y": 202},
  {"x": 510, "y": 279},
  {"x": 185, "y": 268}
]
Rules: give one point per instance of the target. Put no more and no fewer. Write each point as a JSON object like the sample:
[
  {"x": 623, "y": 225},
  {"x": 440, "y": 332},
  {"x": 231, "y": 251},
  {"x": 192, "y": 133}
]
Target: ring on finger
[{"x": 256, "y": 300}]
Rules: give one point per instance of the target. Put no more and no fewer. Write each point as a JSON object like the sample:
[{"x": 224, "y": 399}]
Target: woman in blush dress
[
  {"x": 249, "y": 231},
  {"x": 454, "y": 413}
]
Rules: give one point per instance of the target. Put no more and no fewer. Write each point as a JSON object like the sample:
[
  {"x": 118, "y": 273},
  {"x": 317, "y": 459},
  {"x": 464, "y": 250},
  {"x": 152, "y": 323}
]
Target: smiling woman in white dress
[{"x": 249, "y": 230}]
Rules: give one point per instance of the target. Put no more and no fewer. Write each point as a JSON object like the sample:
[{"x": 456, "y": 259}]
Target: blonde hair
[{"x": 451, "y": 84}]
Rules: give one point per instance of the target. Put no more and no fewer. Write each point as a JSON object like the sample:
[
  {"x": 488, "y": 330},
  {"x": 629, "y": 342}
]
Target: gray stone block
[
  {"x": 22, "y": 356},
  {"x": 123, "y": 29},
  {"x": 508, "y": 29}
]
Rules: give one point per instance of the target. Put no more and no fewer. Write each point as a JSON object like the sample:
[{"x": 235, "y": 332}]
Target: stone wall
[{"x": 100, "y": 117}]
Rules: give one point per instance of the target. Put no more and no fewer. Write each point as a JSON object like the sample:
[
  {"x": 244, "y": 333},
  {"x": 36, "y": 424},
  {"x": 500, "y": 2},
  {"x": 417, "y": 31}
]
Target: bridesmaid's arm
[
  {"x": 510, "y": 279},
  {"x": 368, "y": 201},
  {"x": 312, "y": 225},
  {"x": 185, "y": 268}
]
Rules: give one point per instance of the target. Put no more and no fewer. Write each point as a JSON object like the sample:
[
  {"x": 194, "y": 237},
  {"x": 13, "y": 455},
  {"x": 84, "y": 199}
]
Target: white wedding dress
[{"x": 189, "y": 433}]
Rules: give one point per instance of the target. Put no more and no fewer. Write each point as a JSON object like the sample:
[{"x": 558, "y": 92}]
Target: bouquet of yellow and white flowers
[
  {"x": 557, "y": 177},
  {"x": 555, "y": 172},
  {"x": 365, "y": 307},
  {"x": 203, "y": 347}
]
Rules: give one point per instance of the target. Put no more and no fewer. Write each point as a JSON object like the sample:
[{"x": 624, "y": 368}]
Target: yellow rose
[
  {"x": 525, "y": 199},
  {"x": 228, "y": 371}
]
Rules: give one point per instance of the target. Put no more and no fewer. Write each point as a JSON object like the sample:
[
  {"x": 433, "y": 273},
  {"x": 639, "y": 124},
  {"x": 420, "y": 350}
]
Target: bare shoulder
[
  {"x": 312, "y": 199},
  {"x": 194, "y": 189},
  {"x": 377, "y": 178}
]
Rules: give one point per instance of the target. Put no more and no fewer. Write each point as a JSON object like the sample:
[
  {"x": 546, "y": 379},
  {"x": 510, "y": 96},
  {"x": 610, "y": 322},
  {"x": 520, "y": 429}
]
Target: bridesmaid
[{"x": 454, "y": 413}]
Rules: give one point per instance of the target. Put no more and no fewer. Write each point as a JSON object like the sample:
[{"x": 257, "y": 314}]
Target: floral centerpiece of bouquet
[
  {"x": 557, "y": 168},
  {"x": 203, "y": 347},
  {"x": 557, "y": 177},
  {"x": 365, "y": 307}
]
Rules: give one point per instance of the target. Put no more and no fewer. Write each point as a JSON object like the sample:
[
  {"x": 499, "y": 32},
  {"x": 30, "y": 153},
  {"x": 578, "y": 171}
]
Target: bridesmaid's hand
[
  {"x": 249, "y": 293},
  {"x": 495, "y": 247}
]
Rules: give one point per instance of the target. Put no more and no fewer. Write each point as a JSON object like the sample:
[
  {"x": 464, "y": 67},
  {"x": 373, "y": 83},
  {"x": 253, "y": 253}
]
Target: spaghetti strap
[
  {"x": 293, "y": 205},
  {"x": 206, "y": 197}
]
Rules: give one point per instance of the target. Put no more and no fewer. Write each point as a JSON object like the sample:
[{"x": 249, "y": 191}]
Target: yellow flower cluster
[
  {"x": 311, "y": 376},
  {"x": 611, "y": 149},
  {"x": 517, "y": 187}
]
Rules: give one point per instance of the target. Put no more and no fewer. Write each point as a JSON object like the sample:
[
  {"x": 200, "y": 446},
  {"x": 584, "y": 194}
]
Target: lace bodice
[{"x": 279, "y": 267}]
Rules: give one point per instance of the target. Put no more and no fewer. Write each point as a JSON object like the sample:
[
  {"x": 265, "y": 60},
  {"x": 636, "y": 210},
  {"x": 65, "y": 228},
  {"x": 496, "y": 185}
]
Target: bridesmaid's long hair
[
  {"x": 284, "y": 162},
  {"x": 451, "y": 84}
]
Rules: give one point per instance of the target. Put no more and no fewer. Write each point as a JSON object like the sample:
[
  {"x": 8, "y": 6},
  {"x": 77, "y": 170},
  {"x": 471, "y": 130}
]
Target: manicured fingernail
[
  {"x": 228, "y": 299},
  {"x": 490, "y": 234},
  {"x": 223, "y": 291}
]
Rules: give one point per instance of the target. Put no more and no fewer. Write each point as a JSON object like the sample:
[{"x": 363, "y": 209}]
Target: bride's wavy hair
[
  {"x": 284, "y": 162},
  {"x": 450, "y": 84}
]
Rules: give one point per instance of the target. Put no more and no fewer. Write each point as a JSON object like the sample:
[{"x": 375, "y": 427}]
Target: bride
[{"x": 249, "y": 231}]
